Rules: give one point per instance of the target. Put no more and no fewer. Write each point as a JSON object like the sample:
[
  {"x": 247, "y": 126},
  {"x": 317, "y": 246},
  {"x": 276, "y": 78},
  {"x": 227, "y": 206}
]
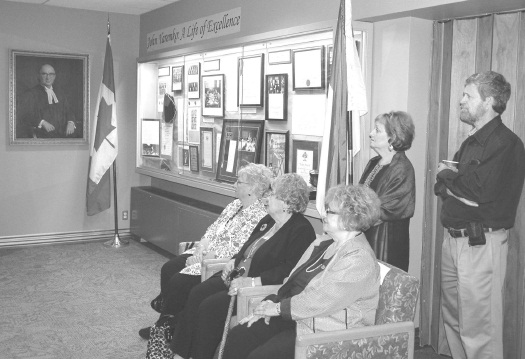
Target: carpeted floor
[
  {"x": 76, "y": 300},
  {"x": 81, "y": 301}
]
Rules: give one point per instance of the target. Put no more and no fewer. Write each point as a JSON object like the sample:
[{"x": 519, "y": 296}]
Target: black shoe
[
  {"x": 157, "y": 303},
  {"x": 144, "y": 333}
]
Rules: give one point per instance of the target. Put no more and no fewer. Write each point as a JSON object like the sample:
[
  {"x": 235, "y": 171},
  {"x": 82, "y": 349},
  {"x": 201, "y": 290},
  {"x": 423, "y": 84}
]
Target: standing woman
[{"x": 391, "y": 176}]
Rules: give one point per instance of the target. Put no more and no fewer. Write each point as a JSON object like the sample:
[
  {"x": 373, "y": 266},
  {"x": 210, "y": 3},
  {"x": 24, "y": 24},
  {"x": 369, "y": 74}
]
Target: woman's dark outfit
[{"x": 395, "y": 186}]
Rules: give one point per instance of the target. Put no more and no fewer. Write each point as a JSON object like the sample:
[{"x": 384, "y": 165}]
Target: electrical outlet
[{"x": 125, "y": 215}]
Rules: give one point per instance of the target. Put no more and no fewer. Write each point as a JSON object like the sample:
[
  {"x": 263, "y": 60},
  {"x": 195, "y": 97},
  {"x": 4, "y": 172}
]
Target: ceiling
[{"x": 130, "y": 7}]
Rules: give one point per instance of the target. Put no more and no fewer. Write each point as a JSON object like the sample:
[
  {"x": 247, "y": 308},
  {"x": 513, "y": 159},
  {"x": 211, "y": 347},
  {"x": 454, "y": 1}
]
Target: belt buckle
[{"x": 457, "y": 233}]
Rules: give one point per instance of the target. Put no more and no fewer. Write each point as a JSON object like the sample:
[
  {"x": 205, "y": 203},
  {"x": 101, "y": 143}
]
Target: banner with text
[{"x": 205, "y": 28}]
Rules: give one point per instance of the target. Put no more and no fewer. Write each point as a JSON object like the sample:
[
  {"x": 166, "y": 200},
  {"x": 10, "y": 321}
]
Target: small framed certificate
[
  {"x": 194, "y": 158},
  {"x": 212, "y": 65},
  {"x": 280, "y": 57},
  {"x": 250, "y": 84},
  {"x": 207, "y": 149},
  {"x": 276, "y": 154},
  {"x": 308, "y": 69},
  {"x": 305, "y": 157}
]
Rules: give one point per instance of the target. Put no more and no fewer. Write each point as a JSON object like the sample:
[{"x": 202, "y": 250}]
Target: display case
[{"x": 214, "y": 108}]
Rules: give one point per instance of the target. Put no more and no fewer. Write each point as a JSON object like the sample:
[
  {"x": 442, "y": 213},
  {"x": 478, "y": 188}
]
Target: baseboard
[{"x": 49, "y": 238}]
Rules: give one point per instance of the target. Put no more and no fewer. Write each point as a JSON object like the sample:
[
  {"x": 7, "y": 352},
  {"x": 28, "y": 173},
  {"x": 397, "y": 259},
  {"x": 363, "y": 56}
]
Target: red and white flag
[
  {"x": 346, "y": 92},
  {"x": 104, "y": 143}
]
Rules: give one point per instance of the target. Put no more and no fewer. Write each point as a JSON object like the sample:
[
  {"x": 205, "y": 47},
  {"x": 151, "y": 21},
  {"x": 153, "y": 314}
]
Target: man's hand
[
  {"x": 70, "y": 128},
  {"x": 47, "y": 126},
  {"x": 442, "y": 166}
]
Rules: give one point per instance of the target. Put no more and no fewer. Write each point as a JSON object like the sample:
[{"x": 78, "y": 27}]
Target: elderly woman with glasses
[
  {"x": 391, "y": 175},
  {"x": 267, "y": 257},
  {"x": 222, "y": 239},
  {"x": 335, "y": 284}
]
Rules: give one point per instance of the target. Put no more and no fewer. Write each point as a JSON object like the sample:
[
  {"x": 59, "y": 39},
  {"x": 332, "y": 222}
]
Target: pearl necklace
[{"x": 309, "y": 269}]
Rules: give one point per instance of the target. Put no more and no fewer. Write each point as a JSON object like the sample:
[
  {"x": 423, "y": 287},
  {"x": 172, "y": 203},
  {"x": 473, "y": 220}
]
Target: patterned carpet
[
  {"x": 81, "y": 301},
  {"x": 73, "y": 301}
]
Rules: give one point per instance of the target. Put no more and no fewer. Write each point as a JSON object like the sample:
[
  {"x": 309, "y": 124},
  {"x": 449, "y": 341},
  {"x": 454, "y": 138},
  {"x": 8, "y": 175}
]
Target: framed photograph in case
[
  {"x": 276, "y": 154},
  {"x": 177, "y": 78},
  {"x": 150, "y": 137},
  {"x": 250, "y": 81},
  {"x": 276, "y": 97},
  {"x": 164, "y": 71},
  {"x": 213, "y": 95},
  {"x": 308, "y": 69},
  {"x": 240, "y": 144},
  {"x": 194, "y": 158},
  {"x": 207, "y": 149},
  {"x": 305, "y": 157},
  {"x": 194, "y": 73},
  {"x": 329, "y": 59}
]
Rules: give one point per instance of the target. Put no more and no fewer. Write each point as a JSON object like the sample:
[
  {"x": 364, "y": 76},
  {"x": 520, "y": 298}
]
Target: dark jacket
[{"x": 275, "y": 259}]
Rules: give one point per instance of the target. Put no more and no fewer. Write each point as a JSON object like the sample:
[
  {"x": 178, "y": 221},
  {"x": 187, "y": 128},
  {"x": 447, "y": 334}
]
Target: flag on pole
[
  {"x": 346, "y": 92},
  {"x": 104, "y": 145}
]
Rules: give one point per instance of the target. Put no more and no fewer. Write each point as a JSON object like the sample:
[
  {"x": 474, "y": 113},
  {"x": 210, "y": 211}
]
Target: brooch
[{"x": 263, "y": 227}]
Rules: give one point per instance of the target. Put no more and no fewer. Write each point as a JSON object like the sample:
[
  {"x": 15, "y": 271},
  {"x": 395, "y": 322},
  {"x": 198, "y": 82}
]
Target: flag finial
[{"x": 108, "y": 24}]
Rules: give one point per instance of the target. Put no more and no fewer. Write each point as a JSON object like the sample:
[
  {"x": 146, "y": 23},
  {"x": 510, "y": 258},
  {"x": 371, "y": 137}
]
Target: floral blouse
[{"x": 229, "y": 232}]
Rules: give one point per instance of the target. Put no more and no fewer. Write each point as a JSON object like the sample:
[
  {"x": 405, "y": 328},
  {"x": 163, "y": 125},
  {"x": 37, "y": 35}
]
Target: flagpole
[{"x": 116, "y": 242}]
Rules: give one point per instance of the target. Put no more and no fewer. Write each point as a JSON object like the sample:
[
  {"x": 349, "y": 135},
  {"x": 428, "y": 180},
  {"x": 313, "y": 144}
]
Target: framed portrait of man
[{"x": 48, "y": 98}]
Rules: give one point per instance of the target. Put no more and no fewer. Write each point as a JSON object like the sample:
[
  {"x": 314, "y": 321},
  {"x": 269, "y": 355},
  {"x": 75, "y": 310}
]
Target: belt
[{"x": 457, "y": 233}]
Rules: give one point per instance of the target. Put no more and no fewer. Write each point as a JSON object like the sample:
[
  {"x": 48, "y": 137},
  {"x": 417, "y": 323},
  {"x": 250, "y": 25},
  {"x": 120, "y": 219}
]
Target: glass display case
[{"x": 203, "y": 115}]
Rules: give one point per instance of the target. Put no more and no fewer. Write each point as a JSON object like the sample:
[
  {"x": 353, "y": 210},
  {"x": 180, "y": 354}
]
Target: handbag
[{"x": 159, "y": 337}]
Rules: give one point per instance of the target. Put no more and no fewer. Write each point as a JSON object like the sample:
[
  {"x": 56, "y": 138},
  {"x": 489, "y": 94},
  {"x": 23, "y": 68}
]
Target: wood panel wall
[{"x": 462, "y": 47}]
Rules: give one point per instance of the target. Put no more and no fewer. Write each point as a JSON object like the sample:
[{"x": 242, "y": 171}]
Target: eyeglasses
[
  {"x": 329, "y": 211},
  {"x": 43, "y": 74}
]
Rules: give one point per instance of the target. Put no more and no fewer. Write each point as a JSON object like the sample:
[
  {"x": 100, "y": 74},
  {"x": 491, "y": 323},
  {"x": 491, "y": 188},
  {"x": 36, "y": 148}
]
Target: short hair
[
  {"x": 258, "y": 176},
  {"x": 292, "y": 189},
  {"x": 399, "y": 127},
  {"x": 358, "y": 206},
  {"x": 491, "y": 84}
]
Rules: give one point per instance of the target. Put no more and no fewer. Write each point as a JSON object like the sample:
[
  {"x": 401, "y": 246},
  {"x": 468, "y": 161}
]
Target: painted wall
[
  {"x": 257, "y": 16},
  {"x": 44, "y": 187},
  {"x": 400, "y": 81}
]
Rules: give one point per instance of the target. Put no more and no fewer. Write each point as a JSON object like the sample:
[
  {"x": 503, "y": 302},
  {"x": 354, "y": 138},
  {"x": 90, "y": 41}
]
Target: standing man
[
  {"x": 45, "y": 111},
  {"x": 480, "y": 198}
]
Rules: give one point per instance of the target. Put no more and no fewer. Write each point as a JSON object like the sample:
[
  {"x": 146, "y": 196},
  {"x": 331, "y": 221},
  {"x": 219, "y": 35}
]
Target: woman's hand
[
  {"x": 228, "y": 267},
  {"x": 266, "y": 309},
  {"x": 237, "y": 283},
  {"x": 250, "y": 319},
  {"x": 196, "y": 258}
]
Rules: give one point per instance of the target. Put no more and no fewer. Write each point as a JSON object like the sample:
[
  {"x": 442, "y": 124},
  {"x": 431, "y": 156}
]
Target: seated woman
[
  {"x": 221, "y": 240},
  {"x": 268, "y": 256},
  {"x": 335, "y": 284}
]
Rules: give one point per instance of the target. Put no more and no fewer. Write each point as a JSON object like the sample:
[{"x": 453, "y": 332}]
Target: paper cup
[{"x": 451, "y": 164}]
